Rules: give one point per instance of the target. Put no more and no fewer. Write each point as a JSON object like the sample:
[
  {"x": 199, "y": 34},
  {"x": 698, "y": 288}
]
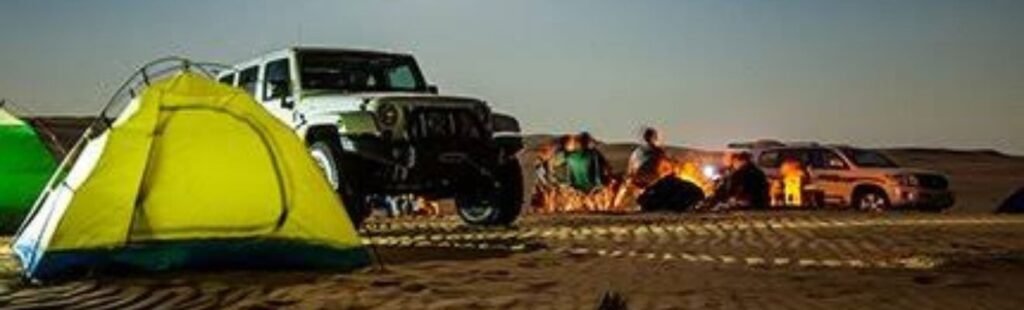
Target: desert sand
[{"x": 787, "y": 260}]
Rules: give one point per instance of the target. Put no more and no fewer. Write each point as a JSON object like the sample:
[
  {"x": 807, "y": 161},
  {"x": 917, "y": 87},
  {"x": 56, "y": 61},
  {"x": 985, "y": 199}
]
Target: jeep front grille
[{"x": 444, "y": 123}]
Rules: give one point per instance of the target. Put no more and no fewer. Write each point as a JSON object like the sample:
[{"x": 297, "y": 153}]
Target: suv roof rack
[
  {"x": 767, "y": 144},
  {"x": 804, "y": 143}
]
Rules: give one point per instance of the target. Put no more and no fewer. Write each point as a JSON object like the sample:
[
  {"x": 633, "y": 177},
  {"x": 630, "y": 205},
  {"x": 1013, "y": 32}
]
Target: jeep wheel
[
  {"x": 327, "y": 154},
  {"x": 322, "y": 155},
  {"x": 871, "y": 200},
  {"x": 499, "y": 205}
]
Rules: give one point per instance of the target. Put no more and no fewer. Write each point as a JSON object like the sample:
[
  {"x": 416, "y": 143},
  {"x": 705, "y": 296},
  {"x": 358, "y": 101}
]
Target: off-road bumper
[
  {"x": 437, "y": 168},
  {"x": 921, "y": 198}
]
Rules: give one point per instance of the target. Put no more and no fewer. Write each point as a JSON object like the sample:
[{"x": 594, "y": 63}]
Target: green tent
[{"x": 25, "y": 166}]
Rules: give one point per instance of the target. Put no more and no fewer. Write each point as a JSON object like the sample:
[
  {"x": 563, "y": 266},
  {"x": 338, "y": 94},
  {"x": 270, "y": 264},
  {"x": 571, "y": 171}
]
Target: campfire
[
  {"x": 792, "y": 175},
  {"x": 691, "y": 171},
  {"x": 618, "y": 195},
  {"x": 565, "y": 199}
]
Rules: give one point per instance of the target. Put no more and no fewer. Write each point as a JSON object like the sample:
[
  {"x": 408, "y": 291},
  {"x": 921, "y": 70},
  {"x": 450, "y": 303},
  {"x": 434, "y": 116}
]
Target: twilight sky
[{"x": 867, "y": 72}]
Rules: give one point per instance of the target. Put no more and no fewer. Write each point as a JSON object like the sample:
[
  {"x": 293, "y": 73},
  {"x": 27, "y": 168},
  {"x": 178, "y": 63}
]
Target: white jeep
[{"x": 376, "y": 127}]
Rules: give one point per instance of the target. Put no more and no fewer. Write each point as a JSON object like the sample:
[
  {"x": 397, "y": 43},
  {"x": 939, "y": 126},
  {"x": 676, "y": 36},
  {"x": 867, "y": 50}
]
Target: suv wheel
[
  {"x": 872, "y": 200},
  {"x": 496, "y": 206},
  {"x": 327, "y": 154}
]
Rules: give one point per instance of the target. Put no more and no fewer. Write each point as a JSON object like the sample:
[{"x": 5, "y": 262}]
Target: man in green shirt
[{"x": 586, "y": 167}]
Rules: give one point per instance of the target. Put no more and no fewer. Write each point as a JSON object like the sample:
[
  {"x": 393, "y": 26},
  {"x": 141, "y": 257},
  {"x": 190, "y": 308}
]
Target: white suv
[
  {"x": 376, "y": 127},
  {"x": 859, "y": 178}
]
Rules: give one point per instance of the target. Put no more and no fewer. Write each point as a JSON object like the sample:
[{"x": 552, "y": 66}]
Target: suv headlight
[{"x": 907, "y": 180}]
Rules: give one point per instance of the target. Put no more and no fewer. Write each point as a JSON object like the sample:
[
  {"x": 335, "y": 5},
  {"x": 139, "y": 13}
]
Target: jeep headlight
[
  {"x": 388, "y": 115},
  {"x": 907, "y": 180}
]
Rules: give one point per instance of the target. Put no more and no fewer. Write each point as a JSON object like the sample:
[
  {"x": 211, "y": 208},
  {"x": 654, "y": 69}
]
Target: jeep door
[{"x": 277, "y": 89}]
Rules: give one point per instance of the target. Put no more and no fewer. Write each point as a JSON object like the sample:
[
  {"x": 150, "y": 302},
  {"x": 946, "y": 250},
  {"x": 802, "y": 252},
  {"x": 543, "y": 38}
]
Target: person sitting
[
  {"x": 544, "y": 164},
  {"x": 648, "y": 163},
  {"x": 545, "y": 170},
  {"x": 744, "y": 187},
  {"x": 589, "y": 184},
  {"x": 587, "y": 169}
]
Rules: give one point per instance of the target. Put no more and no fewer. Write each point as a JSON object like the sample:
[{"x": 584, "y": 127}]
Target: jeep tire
[
  {"x": 497, "y": 205},
  {"x": 326, "y": 152}
]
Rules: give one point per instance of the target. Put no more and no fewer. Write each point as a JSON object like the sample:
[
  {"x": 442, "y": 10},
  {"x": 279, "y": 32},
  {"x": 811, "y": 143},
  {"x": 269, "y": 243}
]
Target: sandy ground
[{"x": 779, "y": 260}]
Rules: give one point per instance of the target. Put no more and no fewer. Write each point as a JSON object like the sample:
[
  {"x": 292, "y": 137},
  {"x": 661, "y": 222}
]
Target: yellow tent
[{"x": 192, "y": 173}]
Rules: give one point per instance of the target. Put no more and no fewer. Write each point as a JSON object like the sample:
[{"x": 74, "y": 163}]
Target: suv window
[
  {"x": 247, "y": 80},
  {"x": 276, "y": 72},
  {"x": 228, "y": 79},
  {"x": 801, "y": 155},
  {"x": 827, "y": 160},
  {"x": 867, "y": 158}
]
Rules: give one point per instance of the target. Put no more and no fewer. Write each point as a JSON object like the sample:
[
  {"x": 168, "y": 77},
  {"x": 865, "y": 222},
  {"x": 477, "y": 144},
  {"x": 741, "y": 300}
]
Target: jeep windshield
[
  {"x": 358, "y": 72},
  {"x": 869, "y": 159}
]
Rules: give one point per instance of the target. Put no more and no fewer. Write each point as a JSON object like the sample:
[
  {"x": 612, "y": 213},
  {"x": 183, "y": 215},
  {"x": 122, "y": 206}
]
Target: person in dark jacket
[{"x": 744, "y": 187}]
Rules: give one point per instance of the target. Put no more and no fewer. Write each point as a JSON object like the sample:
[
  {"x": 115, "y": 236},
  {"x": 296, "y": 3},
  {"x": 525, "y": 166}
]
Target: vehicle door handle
[{"x": 827, "y": 177}]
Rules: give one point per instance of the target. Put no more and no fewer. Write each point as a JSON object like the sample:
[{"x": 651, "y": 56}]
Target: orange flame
[
  {"x": 690, "y": 171},
  {"x": 560, "y": 198},
  {"x": 565, "y": 199},
  {"x": 793, "y": 176}
]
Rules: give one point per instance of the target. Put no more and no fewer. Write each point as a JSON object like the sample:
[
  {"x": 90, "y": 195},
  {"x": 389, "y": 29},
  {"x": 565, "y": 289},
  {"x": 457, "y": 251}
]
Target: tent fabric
[
  {"x": 192, "y": 170},
  {"x": 25, "y": 166}
]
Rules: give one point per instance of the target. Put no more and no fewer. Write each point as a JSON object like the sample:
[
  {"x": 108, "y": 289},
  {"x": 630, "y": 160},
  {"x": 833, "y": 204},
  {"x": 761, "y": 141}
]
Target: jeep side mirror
[
  {"x": 287, "y": 104},
  {"x": 280, "y": 89},
  {"x": 432, "y": 89}
]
